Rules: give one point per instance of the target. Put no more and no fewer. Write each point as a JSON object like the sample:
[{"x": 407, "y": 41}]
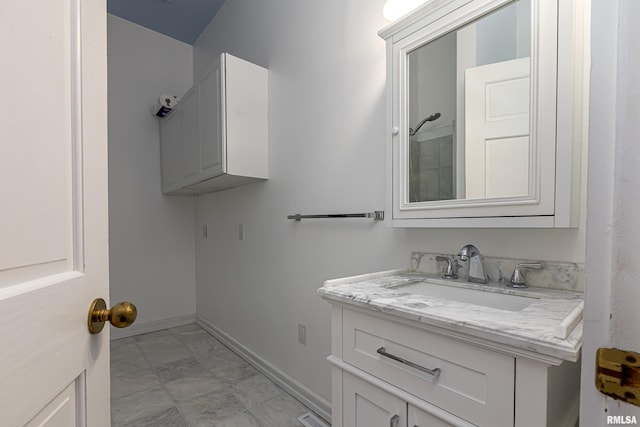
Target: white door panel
[
  {"x": 497, "y": 129},
  {"x": 61, "y": 411},
  {"x": 189, "y": 136},
  {"x": 35, "y": 110},
  {"x": 170, "y": 152},
  {"x": 53, "y": 227},
  {"x": 211, "y": 115},
  {"x": 419, "y": 418},
  {"x": 508, "y": 161}
]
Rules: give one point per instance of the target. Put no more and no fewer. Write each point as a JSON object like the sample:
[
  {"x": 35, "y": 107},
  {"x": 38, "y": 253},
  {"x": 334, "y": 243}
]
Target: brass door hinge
[{"x": 618, "y": 374}]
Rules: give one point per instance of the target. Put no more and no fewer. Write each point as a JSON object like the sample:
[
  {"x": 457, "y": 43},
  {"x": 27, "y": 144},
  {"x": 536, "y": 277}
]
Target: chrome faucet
[
  {"x": 475, "y": 269},
  {"x": 517, "y": 278},
  {"x": 451, "y": 271}
]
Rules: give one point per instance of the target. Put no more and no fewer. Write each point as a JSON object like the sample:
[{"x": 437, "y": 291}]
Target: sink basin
[{"x": 470, "y": 296}]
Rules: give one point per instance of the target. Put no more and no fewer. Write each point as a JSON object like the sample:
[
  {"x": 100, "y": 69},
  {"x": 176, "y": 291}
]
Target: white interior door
[
  {"x": 612, "y": 270},
  {"x": 497, "y": 129},
  {"x": 53, "y": 227}
]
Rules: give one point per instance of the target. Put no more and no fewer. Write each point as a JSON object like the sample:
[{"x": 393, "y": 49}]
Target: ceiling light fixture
[{"x": 394, "y": 9}]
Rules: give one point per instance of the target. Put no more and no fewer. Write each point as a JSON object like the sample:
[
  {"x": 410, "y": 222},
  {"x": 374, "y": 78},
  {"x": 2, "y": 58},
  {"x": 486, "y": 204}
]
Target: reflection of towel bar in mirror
[{"x": 376, "y": 215}]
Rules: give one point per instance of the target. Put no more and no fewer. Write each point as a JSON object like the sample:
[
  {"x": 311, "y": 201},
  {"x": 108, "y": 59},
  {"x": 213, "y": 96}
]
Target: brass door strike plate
[{"x": 618, "y": 374}]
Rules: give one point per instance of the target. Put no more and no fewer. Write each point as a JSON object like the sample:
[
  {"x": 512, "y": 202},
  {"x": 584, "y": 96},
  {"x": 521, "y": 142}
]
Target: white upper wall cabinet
[
  {"x": 484, "y": 125},
  {"x": 217, "y": 136}
]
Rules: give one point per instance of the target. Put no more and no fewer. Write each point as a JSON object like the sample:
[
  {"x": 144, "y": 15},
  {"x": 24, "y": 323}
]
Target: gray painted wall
[
  {"x": 152, "y": 248},
  {"x": 327, "y": 136}
]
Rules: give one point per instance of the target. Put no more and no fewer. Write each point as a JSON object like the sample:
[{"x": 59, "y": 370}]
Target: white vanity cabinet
[
  {"x": 484, "y": 105},
  {"x": 388, "y": 371},
  {"x": 217, "y": 136}
]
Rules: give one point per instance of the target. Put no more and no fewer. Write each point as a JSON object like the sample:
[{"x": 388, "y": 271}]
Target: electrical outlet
[{"x": 302, "y": 334}]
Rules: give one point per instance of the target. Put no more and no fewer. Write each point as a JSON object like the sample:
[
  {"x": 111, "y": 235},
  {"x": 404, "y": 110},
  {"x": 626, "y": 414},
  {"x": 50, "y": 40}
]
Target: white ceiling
[{"x": 182, "y": 20}]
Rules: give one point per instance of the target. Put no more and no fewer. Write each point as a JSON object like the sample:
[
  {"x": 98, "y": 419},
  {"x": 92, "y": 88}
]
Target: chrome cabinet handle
[
  {"x": 433, "y": 372},
  {"x": 393, "y": 422}
]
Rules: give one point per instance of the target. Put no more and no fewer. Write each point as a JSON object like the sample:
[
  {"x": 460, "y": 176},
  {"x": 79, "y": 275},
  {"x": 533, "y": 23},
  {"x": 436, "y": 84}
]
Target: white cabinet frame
[{"x": 557, "y": 99}]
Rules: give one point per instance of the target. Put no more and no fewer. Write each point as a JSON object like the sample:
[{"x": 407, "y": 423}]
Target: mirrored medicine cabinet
[{"x": 485, "y": 114}]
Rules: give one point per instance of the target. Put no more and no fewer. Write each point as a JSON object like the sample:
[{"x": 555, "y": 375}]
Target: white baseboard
[
  {"x": 301, "y": 392},
  {"x": 156, "y": 325}
]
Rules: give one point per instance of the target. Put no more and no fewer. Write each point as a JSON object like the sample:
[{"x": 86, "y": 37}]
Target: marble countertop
[{"x": 535, "y": 328}]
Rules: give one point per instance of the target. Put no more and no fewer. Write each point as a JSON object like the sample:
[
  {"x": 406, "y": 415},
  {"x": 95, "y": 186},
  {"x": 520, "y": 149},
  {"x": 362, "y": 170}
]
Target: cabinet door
[
  {"x": 189, "y": 136},
  {"x": 211, "y": 125},
  {"x": 419, "y": 418},
  {"x": 365, "y": 405},
  {"x": 170, "y": 153}
]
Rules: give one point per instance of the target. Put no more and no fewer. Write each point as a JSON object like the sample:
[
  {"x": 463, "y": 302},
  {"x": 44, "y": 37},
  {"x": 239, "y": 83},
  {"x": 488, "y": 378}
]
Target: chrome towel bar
[{"x": 376, "y": 215}]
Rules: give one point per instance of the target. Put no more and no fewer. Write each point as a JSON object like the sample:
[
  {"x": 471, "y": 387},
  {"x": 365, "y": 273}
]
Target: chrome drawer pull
[
  {"x": 393, "y": 422},
  {"x": 434, "y": 372}
]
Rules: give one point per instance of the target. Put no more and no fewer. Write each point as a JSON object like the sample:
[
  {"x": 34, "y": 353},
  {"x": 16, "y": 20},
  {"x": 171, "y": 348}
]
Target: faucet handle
[
  {"x": 517, "y": 278},
  {"x": 452, "y": 266}
]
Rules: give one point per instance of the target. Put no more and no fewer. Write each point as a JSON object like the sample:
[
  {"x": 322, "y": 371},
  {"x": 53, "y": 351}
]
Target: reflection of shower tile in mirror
[
  {"x": 446, "y": 152},
  {"x": 446, "y": 183},
  {"x": 429, "y": 184},
  {"x": 432, "y": 167},
  {"x": 429, "y": 155}
]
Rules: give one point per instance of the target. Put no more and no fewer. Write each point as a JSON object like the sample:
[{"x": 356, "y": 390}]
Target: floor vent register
[{"x": 310, "y": 420}]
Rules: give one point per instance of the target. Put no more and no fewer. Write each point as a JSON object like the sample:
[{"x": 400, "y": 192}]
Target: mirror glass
[{"x": 468, "y": 110}]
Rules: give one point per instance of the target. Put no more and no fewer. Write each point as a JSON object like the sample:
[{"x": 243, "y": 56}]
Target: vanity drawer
[{"x": 474, "y": 383}]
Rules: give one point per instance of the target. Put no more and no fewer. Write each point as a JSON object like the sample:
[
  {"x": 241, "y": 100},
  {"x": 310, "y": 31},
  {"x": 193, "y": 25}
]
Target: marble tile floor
[{"x": 183, "y": 377}]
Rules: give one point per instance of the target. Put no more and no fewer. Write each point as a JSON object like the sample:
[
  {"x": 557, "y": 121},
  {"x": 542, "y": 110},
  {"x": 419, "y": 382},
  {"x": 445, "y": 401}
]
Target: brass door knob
[{"x": 121, "y": 315}]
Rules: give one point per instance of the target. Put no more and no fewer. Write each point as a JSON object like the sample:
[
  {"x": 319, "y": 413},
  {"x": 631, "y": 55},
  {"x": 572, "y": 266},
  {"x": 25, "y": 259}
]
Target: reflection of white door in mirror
[{"x": 497, "y": 129}]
